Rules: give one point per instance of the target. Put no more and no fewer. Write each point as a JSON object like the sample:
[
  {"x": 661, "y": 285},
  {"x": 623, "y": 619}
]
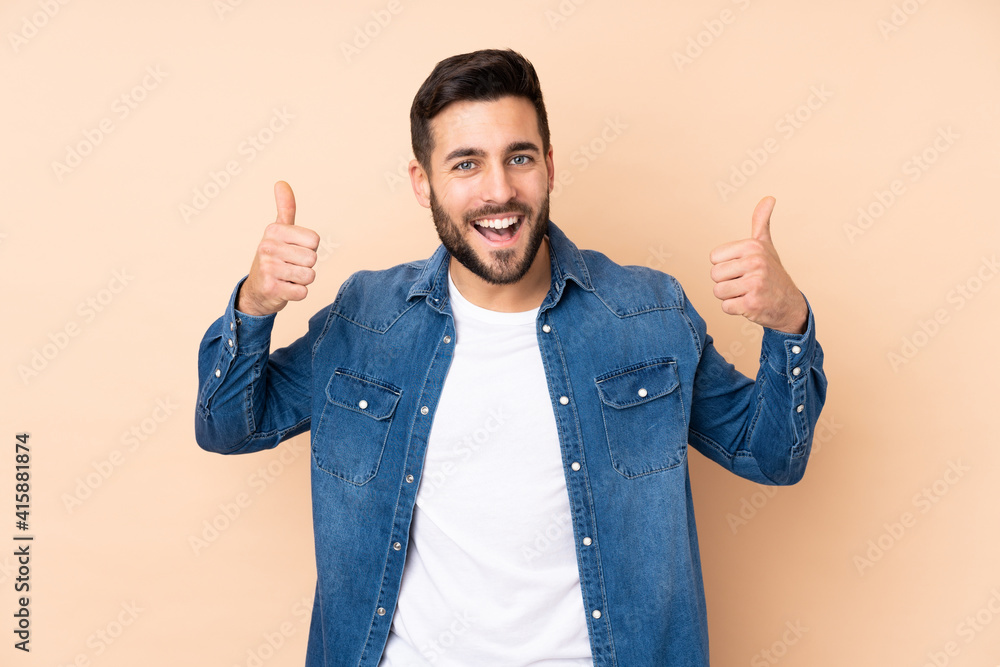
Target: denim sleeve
[
  {"x": 250, "y": 399},
  {"x": 761, "y": 430}
]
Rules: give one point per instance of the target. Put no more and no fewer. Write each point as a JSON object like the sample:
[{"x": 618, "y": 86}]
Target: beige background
[{"x": 116, "y": 579}]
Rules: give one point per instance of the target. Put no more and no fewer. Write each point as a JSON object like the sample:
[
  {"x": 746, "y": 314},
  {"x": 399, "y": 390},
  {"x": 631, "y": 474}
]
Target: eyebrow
[{"x": 513, "y": 147}]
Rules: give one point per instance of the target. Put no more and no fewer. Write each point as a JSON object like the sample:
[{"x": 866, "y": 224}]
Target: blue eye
[
  {"x": 520, "y": 157},
  {"x": 460, "y": 168}
]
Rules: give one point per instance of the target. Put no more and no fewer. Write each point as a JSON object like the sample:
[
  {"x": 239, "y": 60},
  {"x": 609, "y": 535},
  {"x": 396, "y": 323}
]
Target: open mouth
[{"x": 499, "y": 230}]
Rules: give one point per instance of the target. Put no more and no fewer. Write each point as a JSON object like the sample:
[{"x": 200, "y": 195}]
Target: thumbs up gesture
[
  {"x": 750, "y": 280},
  {"x": 283, "y": 264}
]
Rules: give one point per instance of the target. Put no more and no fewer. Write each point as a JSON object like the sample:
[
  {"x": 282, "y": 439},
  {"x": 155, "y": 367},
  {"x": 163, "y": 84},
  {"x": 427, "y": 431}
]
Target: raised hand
[
  {"x": 282, "y": 267},
  {"x": 750, "y": 280}
]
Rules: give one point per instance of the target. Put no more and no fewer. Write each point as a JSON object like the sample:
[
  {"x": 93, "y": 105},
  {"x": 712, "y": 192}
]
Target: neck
[{"x": 525, "y": 294}]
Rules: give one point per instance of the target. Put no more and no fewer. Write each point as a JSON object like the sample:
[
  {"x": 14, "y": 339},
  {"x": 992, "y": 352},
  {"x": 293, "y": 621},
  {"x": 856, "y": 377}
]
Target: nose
[{"x": 497, "y": 187}]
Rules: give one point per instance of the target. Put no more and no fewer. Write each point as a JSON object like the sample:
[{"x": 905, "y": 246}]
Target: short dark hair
[{"x": 480, "y": 76}]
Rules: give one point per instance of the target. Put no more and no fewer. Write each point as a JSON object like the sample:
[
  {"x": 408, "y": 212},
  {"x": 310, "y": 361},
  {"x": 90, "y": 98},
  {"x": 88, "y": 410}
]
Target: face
[{"x": 489, "y": 186}]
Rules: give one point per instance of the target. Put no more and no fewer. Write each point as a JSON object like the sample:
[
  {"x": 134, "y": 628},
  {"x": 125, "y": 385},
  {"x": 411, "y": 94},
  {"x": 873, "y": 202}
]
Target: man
[{"x": 500, "y": 432}]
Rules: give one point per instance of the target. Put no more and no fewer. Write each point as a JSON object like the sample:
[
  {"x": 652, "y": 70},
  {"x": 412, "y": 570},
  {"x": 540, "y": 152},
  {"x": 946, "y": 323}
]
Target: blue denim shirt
[{"x": 633, "y": 380}]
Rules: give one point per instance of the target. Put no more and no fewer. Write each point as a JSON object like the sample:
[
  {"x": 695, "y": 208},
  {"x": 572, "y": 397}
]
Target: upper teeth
[{"x": 498, "y": 223}]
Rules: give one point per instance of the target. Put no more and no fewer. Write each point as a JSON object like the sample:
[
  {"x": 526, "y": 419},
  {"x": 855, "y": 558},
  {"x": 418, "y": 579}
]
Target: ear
[
  {"x": 421, "y": 184},
  {"x": 550, "y": 167}
]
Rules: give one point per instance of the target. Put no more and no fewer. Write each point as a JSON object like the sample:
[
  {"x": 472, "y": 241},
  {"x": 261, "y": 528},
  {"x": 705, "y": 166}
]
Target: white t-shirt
[{"x": 491, "y": 576}]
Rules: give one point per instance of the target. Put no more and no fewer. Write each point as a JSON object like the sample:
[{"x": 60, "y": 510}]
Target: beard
[{"x": 501, "y": 266}]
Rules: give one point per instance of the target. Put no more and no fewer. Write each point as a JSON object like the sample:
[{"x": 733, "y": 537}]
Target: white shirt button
[
  {"x": 230, "y": 342},
  {"x": 796, "y": 371},
  {"x": 218, "y": 372},
  {"x": 800, "y": 408},
  {"x": 546, "y": 328},
  {"x": 796, "y": 349},
  {"x": 362, "y": 404},
  {"x": 424, "y": 410},
  {"x": 232, "y": 325},
  {"x": 409, "y": 479},
  {"x": 575, "y": 465},
  {"x": 564, "y": 400},
  {"x": 596, "y": 613},
  {"x": 447, "y": 339},
  {"x": 397, "y": 546},
  {"x": 642, "y": 391},
  {"x": 586, "y": 541},
  {"x": 380, "y": 611}
]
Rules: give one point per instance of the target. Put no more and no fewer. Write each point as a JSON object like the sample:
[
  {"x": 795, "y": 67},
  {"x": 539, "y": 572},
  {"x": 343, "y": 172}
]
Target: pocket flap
[
  {"x": 638, "y": 383},
  {"x": 365, "y": 395}
]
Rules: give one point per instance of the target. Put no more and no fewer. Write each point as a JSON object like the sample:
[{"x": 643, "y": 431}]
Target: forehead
[{"x": 489, "y": 126}]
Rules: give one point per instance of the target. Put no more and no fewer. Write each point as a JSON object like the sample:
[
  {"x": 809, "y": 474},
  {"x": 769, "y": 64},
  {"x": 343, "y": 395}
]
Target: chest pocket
[
  {"x": 352, "y": 431},
  {"x": 644, "y": 417}
]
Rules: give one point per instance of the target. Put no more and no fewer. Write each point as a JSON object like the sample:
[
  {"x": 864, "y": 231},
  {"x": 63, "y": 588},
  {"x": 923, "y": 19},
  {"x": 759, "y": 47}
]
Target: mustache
[{"x": 516, "y": 207}]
